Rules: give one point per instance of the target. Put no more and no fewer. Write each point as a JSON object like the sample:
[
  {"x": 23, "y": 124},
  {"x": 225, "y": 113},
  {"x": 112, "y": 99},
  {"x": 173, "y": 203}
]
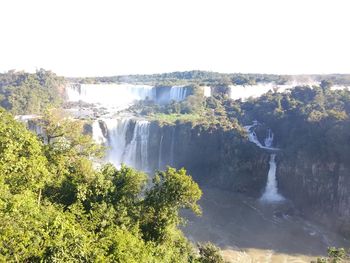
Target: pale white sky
[{"x": 109, "y": 37}]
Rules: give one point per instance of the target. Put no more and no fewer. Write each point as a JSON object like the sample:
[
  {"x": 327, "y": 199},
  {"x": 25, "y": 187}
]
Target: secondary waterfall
[
  {"x": 127, "y": 140},
  {"x": 207, "y": 91},
  {"x": 271, "y": 190},
  {"x": 178, "y": 93},
  {"x": 172, "y": 147}
]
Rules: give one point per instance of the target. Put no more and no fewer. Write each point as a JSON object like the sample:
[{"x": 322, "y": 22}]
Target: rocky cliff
[
  {"x": 319, "y": 189},
  {"x": 214, "y": 157}
]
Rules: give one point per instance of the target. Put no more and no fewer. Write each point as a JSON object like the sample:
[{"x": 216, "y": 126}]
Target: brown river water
[{"x": 248, "y": 230}]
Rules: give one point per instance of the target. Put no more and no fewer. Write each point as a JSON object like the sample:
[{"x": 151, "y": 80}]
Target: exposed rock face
[
  {"x": 103, "y": 128},
  {"x": 319, "y": 189},
  {"x": 213, "y": 157}
]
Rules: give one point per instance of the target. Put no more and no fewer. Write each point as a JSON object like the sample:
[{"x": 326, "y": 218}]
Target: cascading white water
[
  {"x": 271, "y": 191},
  {"x": 117, "y": 130},
  {"x": 207, "y": 91},
  {"x": 178, "y": 93},
  {"x": 133, "y": 152},
  {"x": 172, "y": 147},
  {"x": 136, "y": 152},
  {"x": 160, "y": 152},
  {"x": 269, "y": 139},
  {"x": 246, "y": 91},
  {"x": 253, "y": 138},
  {"x": 115, "y": 96}
]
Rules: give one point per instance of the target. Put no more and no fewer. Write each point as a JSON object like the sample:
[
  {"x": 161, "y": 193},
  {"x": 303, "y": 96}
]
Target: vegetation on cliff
[{"x": 312, "y": 119}]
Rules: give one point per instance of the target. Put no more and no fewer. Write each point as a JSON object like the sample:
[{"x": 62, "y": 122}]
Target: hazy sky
[{"x": 101, "y": 37}]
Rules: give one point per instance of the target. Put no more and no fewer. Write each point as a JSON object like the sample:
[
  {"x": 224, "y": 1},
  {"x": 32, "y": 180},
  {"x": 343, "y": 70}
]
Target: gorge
[{"x": 218, "y": 159}]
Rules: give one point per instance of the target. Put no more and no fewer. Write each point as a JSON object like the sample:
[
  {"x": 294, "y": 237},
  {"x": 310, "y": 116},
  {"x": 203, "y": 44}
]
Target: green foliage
[
  {"x": 212, "y": 78},
  {"x": 209, "y": 253},
  {"x": 24, "y": 93},
  {"x": 335, "y": 255},
  {"x": 312, "y": 120},
  {"x": 172, "y": 190},
  {"x": 22, "y": 163},
  {"x": 173, "y": 118},
  {"x": 55, "y": 207}
]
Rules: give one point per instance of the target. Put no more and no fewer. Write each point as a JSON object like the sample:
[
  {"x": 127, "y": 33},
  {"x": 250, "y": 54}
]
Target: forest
[
  {"x": 30, "y": 93},
  {"x": 212, "y": 78}
]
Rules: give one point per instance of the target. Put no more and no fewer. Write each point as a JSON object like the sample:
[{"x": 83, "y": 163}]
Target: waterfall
[
  {"x": 121, "y": 96},
  {"x": 117, "y": 141},
  {"x": 246, "y": 91},
  {"x": 271, "y": 191},
  {"x": 127, "y": 141},
  {"x": 136, "y": 152},
  {"x": 160, "y": 153},
  {"x": 178, "y": 93},
  {"x": 207, "y": 91},
  {"x": 252, "y": 137},
  {"x": 269, "y": 138},
  {"x": 172, "y": 147},
  {"x": 116, "y": 96}
]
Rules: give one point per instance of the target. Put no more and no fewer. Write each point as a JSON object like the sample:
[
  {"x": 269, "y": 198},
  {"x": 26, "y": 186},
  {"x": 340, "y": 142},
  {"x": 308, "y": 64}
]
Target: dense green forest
[
  {"x": 56, "y": 207},
  {"x": 315, "y": 118},
  {"x": 26, "y": 93},
  {"x": 213, "y": 78}
]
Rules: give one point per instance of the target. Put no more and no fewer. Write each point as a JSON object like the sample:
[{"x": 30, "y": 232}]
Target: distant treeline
[
  {"x": 27, "y": 93},
  {"x": 32, "y": 93},
  {"x": 214, "y": 78}
]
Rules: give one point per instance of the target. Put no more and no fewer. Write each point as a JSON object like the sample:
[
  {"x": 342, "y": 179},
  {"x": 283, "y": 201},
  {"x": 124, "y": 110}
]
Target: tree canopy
[
  {"x": 25, "y": 93},
  {"x": 55, "y": 206}
]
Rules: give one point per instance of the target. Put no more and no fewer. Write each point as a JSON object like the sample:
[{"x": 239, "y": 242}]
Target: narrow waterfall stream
[
  {"x": 271, "y": 191},
  {"x": 160, "y": 152},
  {"x": 172, "y": 147},
  {"x": 270, "y": 194}
]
